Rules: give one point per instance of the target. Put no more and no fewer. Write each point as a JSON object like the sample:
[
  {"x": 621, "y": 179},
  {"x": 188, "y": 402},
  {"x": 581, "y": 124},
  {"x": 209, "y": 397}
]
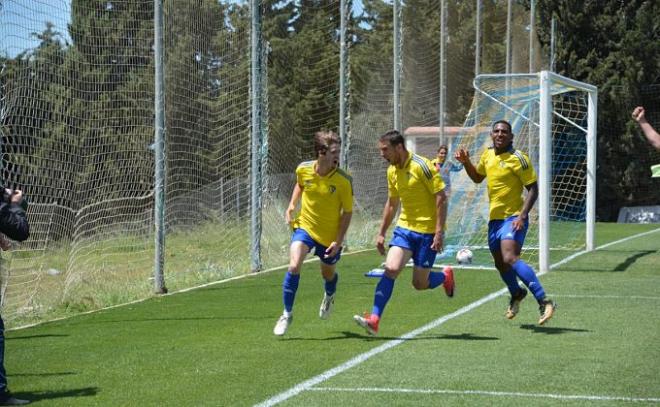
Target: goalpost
[
  {"x": 552, "y": 84},
  {"x": 554, "y": 121}
]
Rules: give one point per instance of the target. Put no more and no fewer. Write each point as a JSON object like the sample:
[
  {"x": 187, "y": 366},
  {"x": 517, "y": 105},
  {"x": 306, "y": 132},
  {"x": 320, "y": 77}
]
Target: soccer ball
[{"x": 464, "y": 256}]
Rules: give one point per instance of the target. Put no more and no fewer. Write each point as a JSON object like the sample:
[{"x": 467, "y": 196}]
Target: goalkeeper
[
  {"x": 508, "y": 170},
  {"x": 325, "y": 213}
]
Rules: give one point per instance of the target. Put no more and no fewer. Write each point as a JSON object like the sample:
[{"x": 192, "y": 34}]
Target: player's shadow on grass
[
  {"x": 355, "y": 335},
  {"x": 50, "y": 395},
  {"x": 550, "y": 330},
  {"x": 632, "y": 259},
  {"x": 13, "y": 338},
  {"x": 623, "y": 266},
  {"x": 43, "y": 374}
]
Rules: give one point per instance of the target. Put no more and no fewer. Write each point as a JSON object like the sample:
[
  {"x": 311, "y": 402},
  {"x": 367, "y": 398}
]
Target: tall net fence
[
  {"x": 632, "y": 155},
  {"x": 77, "y": 112},
  {"x": 78, "y": 134}
]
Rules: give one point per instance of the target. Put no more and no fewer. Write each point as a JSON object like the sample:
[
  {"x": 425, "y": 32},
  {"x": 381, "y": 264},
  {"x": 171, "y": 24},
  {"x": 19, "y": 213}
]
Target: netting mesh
[
  {"x": 77, "y": 115},
  {"x": 516, "y": 99}
]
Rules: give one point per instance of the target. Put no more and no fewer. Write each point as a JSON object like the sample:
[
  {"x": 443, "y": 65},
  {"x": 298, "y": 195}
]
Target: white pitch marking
[
  {"x": 614, "y": 297},
  {"x": 308, "y": 384},
  {"x": 490, "y": 393}
]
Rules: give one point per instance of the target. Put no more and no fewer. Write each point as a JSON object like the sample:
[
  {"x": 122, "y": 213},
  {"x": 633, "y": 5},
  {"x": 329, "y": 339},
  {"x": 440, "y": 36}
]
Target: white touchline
[
  {"x": 308, "y": 384},
  {"x": 489, "y": 393}
]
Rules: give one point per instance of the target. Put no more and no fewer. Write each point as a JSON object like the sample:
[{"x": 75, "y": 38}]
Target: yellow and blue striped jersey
[
  {"x": 416, "y": 186},
  {"x": 507, "y": 174},
  {"x": 324, "y": 199}
]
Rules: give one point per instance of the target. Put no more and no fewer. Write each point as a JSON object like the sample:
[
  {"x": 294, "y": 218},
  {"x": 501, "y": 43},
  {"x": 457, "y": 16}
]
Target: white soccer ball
[{"x": 464, "y": 256}]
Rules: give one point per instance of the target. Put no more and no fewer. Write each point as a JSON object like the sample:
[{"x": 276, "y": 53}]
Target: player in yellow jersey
[
  {"x": 415, "y": 185},
  {"x": 509, "y": 170},
  {"x": 326, "y": 195}
]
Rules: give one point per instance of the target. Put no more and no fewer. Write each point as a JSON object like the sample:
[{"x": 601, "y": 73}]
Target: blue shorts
[
  {"x": 418, "y": 243},
  {"x": 502, "y": 229},
  {"x": 300, "y": 235}
]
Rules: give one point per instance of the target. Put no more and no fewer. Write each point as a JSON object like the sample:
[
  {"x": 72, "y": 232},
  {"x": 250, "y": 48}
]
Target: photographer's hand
[
  {"x": 5, "y": 244},
  {"x": 16, "y": 196}
]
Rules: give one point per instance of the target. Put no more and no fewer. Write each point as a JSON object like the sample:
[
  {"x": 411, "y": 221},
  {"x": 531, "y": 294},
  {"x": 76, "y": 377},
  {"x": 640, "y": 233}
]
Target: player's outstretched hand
[{"x": 462, "y": 156}]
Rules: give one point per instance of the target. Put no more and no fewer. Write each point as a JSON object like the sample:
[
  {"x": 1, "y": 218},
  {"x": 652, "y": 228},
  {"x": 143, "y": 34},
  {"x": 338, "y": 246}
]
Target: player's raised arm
[{"x": 639, "y": 115}]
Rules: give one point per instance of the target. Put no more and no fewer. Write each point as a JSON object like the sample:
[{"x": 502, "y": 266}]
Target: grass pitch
[{"x": 214, "y": 345}]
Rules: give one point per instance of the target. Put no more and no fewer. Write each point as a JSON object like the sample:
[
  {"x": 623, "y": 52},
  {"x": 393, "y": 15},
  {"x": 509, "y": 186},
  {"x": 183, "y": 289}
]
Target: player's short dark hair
[
  {"x": 443, "y": 147},
  {"x": 394, "y": 138},
  {"x": 323, "y": 139},
  {"x": 503, "y": 122}
]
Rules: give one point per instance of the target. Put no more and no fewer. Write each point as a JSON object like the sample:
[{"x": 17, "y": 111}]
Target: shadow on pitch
[
  {"x": 43, "y": 374},
  {"x": 623, "y": 266},
  {"x": 550, "y": 330},
  {"x": 632, "y": 259},
  {"x": 13, "y": 338},
  {"x": 51, "y": 395},
  {"x": 354, "y": 335}
]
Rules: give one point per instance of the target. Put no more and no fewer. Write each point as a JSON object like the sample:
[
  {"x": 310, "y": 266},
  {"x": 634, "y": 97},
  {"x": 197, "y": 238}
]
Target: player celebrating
[
  {"x": 413, "y": 182},
  {"x": 326, "y": 210},
  {"x": 508, "y": 170}
]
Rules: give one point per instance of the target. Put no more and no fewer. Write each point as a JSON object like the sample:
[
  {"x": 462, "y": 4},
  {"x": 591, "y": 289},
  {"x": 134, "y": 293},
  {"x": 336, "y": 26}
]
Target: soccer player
[
  {"x": 413, "y": 183},
  {"x": 444, "y": 167},
  {"x": 651, "y": 134},
  {"x": 325, "y": 213},
  {"x": 509, "y": 170}
]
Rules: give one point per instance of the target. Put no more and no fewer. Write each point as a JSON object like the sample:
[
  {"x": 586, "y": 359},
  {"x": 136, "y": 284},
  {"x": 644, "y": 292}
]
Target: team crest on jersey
[
  {"x": 332, "y": 189},
  {"x": 502, "y": 164}
]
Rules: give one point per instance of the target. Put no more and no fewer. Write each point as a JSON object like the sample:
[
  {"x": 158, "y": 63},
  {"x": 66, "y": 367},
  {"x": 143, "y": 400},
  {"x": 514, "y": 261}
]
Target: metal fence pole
[
  {"x": 342, "y": 85},
  {"x": 256, "y": 137},
  {"x": 397, "y": 65},
  {"x": 159, "y": 150}
]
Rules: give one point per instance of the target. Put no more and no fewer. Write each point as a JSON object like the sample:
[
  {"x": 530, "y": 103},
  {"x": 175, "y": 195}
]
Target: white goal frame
[{"x": 546, "y": 79}]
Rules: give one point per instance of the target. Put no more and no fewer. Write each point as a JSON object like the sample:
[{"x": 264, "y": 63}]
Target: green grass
[
  {"x": 214, "y": 346},
  {"x": 119, "y": 267}
]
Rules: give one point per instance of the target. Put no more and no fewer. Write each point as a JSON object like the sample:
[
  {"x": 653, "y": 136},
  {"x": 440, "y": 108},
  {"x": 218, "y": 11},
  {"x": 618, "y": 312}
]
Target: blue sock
[
  {"x": 382, "y": 295},
  {"x": 331, "y": 286},
  {"x": 510, "y": 280},
  {"x": 289, "y": 288},
  {"x": 528, "y": 277},
  {"x": 436, "y": 278}
]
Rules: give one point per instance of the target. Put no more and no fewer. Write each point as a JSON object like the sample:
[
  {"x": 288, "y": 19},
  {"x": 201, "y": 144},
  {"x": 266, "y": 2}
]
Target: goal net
[{"x": 553, "y": 121}]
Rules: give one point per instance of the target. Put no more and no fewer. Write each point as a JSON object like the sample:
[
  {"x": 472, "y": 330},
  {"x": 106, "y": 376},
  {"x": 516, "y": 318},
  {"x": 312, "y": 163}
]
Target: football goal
[{"x": 554, "y": 121}]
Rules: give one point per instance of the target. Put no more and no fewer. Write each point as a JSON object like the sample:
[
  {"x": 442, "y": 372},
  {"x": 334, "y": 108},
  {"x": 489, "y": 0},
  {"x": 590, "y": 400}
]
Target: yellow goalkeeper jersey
[
  {"x": 507, "y": 174},
  {"x": 324, "y": 199},
  {"x": 416, "y": 186}
]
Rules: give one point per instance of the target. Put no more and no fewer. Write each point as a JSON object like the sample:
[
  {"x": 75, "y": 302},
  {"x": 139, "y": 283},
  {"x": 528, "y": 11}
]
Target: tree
[{"x": 613, "y": 45}]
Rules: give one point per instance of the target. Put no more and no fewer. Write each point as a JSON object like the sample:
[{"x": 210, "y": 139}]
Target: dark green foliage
[{"x": 614, "y": 45}]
